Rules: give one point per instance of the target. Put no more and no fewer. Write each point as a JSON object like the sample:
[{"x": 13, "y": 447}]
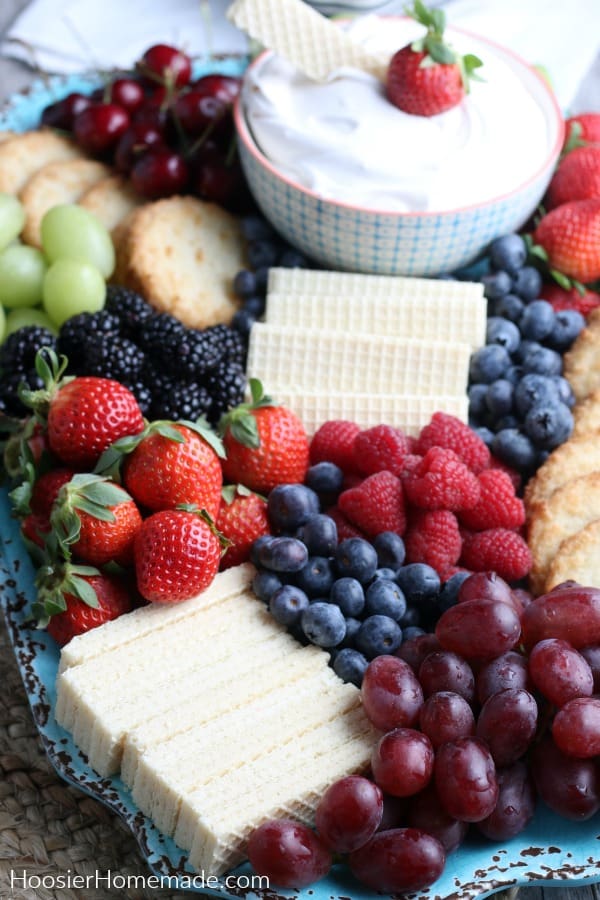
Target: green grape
[
  {"x": 72, "y": 287},
  {"x": 22, "y": 271},
  {"x": 3, "y": 332},
  {"x": 19, "y": 318},
  {"x": 12, "y": 219},
  {"x": 71, "y": 232}
]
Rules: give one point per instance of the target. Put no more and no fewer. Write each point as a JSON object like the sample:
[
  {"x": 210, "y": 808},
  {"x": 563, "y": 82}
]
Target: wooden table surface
[{"x": 15, "y": 76}]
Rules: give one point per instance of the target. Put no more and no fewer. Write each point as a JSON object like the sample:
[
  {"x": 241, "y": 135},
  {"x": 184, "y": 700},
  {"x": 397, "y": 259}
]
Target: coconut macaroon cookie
[
  {"x": 24, "y": 154},
  {"x": 111, "y": 200}
]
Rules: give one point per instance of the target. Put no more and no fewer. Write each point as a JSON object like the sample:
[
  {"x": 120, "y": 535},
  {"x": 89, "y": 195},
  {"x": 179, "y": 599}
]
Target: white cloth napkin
[{"x": 564, "y": 37}]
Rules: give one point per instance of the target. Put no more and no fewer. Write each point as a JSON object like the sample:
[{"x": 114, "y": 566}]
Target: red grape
[
  {"x": 394, "y": 812},
  {"x": 465, "y": 778},
  {"x": 349, "y": 813},
  {"x": 391, "y": 694},
  {"x": 159, "y": 173},
  {"x": 559, "y": 671},
  {"x": 509, "y": 670},
  {"x": 485, "y": 586},
  {"x": 126, "y": 92},
  {"x": 507, "y": 723},
  {"x": 443, "y": 670},
  {"x": 576, "y": 727},
  {"x": 446, "y": 716},
  {"x": 479, "y": 630},
  {"x": 414, "y": 650},
  {"x": 569, "y": 786},
  {"x": 592, "y": 657},
  {"x": 515, "y": 807},
  {"x": 402, "y": 762},
  {"x": 427, "y": 813},
  {"x": 98, "y": 128},
  {"x": 569, "y": 613},
  {"x": 288, "y": 853},
  {"x": 165, "y": 64},
  {"x": 399, "y": 860}
]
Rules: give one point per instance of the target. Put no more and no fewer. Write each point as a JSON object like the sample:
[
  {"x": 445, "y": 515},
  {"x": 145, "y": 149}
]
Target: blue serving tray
[{"x": 551, "y": 850}]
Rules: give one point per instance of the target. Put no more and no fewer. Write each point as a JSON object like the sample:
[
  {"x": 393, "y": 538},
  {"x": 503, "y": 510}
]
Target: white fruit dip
[{"x": 345, "y": 141}]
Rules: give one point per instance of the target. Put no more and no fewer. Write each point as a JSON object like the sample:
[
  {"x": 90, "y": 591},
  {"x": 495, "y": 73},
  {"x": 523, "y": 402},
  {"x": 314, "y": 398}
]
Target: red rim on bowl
[{"x": 245, "y": 136}]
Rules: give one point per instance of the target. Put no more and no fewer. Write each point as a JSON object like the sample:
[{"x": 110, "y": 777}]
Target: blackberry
[
  {"x": 227, "y": 386},
  {"x": 9, "y": 391},
  {"x": 17, "y": 353},
  {"x": 182, "y": 401},
  {"x": 142, "y": 394},
  {"x": 130, "y": 308},
  {"x": 193, "y": 354},
  {"x": 114, "y": 357},
  {"x": 232, "y": 346},
  {"x": 80, "y": 333},
  {"x": 158, "y": 336}
]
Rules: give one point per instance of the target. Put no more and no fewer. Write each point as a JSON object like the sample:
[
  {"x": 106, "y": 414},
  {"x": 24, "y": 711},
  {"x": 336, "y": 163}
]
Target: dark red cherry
[
  {"x": 160, "y": 173},
  {"x": 223, "y": 87},
  {"x": 166, "y": 65},
  {"x": 134, "y": 142},
  {"x": 222, "y": 183},
  {"x": 98, "y": 128},
  {"x": 127, "y": 93},
  {"x": 196, "y": 111},
  {"x": 62, "y": 113}
]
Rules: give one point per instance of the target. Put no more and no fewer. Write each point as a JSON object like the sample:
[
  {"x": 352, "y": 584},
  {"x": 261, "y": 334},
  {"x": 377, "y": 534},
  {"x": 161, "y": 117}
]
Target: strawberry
[
  {"x": 577, "y": 177},
  {"x": 46, "y": 489},
  {"x": 242, "y": 518},
  {"x": 378, "y": 448},
  {"x": 265, "y": 445},
  {"x": 177, "y": 554},
  {"x": 171, "y": 463},
  {"x": 376, "y": 505},
  {"x": 333, "y": 442},
  {"x": 428, "y": 77},
  {"x": 74, "y": 599},
  {"x": 35, "y": 529},
  {"x": 571, "y": 298},
  {"x": 96, "y": 520},
  {"x": 584, "y": 127},
  {"x": 570, "y": 235}
]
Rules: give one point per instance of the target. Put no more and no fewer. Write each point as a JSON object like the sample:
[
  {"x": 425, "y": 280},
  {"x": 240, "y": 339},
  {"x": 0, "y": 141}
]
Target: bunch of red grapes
[
  {"x": 479, "y": 719},
  {"x": 167, "y": 133}
]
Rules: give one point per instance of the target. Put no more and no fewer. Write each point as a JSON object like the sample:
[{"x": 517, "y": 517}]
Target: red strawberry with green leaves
[
  {"x": 571, "y": 298},
  {"x": 177, "y": 554},
  {"x": 34, "y": 503},
  {"x": 95, "y": 520},
  {"x": 375, "y": 505},
  {"x": 570, "y": 238},
  {"x": 74, "y": 599},
  {"x": 169, "y": 463},
  {"x": 242, "y": 518},
  {"x": 265, "y": 444},
  {"x": 428, "y": 77},
  {"x": 581, "y": 129},
  {"x": 577, "y": 177}
]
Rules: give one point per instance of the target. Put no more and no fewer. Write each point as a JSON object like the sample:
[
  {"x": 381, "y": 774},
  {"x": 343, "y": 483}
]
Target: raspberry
[
  {"x": 441, "y": 481},
  {"x": 497, "y": 550},
  {"x": 376, "y": 505},
  {"x": 514, "y": 476},
  {"x": 498, "y": 507},
  {"x": 345, "y": 529},
  {"x": 448, "y": 431},
  {"x": 334, "y": 442},
  {"x": 433, "y": 538},
  {"x": 378, "y": 448}
]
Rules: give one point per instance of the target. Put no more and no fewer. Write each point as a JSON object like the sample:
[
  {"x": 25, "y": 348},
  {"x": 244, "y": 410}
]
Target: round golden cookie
[
  {"x": 182, "y": 255},
  {"x": 581, "y": 364},
  {"x": 561, "y": 515},
  {"x": 111, "y": 200},
  {"x": 578, "y": 559},
  {"x": 574, "y": 458},
  {"x": 24, "y": 154},
  {"x": 586, "y": 416}
]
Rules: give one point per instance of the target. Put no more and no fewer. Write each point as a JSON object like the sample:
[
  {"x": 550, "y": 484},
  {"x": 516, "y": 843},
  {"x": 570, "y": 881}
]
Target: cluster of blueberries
[
  {"x": 519, "y": 403},
  {"x": 356, "y": 598}
]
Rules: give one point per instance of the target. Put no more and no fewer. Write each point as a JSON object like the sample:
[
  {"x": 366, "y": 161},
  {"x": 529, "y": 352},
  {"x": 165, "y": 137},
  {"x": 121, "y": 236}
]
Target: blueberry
[
  {"x": 265, "y": 583},
  {"x": 283, "y": 554},
  {"x": 499, "y": 397},
  {"x": 323, "y": 624},
  {"x": 390, "y": 550},
  {"x": 255, "y": 228},
  {"x": 254, "y": 306},
  {"x": 287, "y": 605},
  {"x": 541, "y": 458},
  {"x": 418, "y": 581},
  {"x": 292, "y": 259},
  {"x": 319, "y": 534},
  {"x": 524, "y": 349},
  {"x": 514, "y": 374},
  {"x": 356, "y": 558},
  {"x": 261, "y": 252},
  {"x": 262, "y": 277},
  {"x": 352, "y": 627},
  {"x": 496, "y": 284},
  {"x": 244, "y": 284},
  {"x": 385, "y": 598},
  {"x": 543, "y": 361},
  {"x": 508, "y": 252},
  {"x": 509, "y": 307},
  {"x": 532, "y": 390},
  {"x": 257, "y": 546},
  {"x": 548, "y": 426},
  {"x": 477, "y": 404},
  {"x": 243, "y": 321},
  {"x": 565, "y": 391},
  {"x": 410, "y": 619},
  {"x": 528, "y": 283},
  {"x": 316, "y": 577},
  {"x": 509, "y": 421},
  {"x": 291, "y": 505},
  {"x": 325, "y": 478},
  {"x": 501, "y": 331},
  {"x": 449, "y": 593},
  {"x": 514, "y": 448},
  {"x": 348, "y": 594},
  {"x": 537, "y": 320},
  {"x": 485, "y": 434},
  {"x": 378, "y": 635},
  {"x": 412, "y": 631},
  {"x": 488, "y": 364},
  {"x": 350, "y": 666},
  {"x": 567, "y": 325}
]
